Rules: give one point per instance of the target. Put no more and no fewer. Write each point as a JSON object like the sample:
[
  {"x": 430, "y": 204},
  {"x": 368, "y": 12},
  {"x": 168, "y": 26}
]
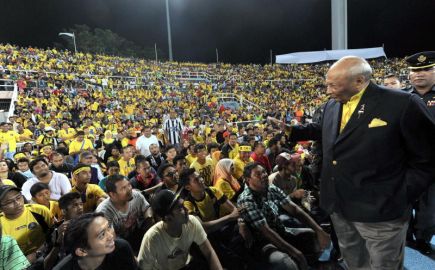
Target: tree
[{"x": 104, "y": 41}]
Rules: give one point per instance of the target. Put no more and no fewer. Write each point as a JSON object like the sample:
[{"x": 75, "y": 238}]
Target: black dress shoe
[{"x": 424, "y": 247}]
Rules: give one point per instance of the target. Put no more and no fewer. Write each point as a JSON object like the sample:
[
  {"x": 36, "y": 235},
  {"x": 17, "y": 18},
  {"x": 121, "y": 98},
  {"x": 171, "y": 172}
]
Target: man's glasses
[{"x": 16, "y": 199}]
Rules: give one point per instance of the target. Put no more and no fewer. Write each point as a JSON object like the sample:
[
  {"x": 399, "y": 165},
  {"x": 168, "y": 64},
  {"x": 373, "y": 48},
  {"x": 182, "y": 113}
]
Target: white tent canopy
[{"x": 320, "y": 56}]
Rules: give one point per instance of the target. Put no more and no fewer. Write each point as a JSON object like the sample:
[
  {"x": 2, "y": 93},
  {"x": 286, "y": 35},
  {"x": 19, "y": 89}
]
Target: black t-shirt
[
  {"x": 63, "y": 169},
  {"x": 121, "y": 258}
]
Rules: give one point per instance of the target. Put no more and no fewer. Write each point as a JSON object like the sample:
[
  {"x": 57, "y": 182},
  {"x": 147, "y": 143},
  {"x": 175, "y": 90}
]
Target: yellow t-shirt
[
  {"x": 26, "y": 136},
  {"x": 206, "y": 170},
  {"x": 93, "y": 194},
  {"x": 8, "y": 182},
  {"x": 10, "y": 137},
  {"x": 239, "y": 166},
  {"x": 76, "y": 146},
  {"x": 126, "y": 167},
  {"x": 190, "y": 159},
  {"x": 225, "y": 187},
  {"x": 94, "y": 106},
  {"x": 25, "y": 229},
  {"x": 55, "y": 210},
  {"x": 206, "y": 206},
  {"x": 67, "y": 135},
  {"x": 349, "y": 107}
]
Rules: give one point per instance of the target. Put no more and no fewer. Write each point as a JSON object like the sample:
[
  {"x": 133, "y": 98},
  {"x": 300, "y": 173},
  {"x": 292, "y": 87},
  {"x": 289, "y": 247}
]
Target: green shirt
[{"x": 11, "y": 256}]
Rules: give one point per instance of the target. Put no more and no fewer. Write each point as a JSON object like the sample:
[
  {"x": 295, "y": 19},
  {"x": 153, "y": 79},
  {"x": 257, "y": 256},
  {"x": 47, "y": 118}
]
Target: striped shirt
[
  {"x": 173, "y": 129},
  {"x": 11, "y": 256}
]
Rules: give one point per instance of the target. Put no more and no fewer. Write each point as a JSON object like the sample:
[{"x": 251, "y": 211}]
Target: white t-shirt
[
  {"x": 143, "y": 144},
  {"x": 59, "y": 185},
  {"x": 163, "y": 252}
]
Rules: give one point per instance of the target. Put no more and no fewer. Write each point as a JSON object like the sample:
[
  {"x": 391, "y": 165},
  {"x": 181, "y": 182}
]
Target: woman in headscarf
[{"x": 224, "y": 180}]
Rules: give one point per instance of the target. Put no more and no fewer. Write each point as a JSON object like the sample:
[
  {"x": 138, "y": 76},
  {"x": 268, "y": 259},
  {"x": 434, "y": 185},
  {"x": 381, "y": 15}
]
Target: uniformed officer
[{"x": 422, "y": 78}]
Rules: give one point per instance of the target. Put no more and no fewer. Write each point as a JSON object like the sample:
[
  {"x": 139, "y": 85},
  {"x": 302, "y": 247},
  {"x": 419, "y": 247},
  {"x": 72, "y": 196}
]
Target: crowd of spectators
[{"x": 109, "y": 159}]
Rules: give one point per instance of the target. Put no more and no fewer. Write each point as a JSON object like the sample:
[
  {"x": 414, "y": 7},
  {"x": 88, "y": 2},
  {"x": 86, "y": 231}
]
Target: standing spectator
[
  {"x": 144, "y": 142},
  {"x": 173, "y": 128},
  {"x": 9, "y": 138}
]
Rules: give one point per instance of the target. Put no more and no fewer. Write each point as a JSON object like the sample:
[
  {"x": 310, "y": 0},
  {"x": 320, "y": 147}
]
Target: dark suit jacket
[{"x": 373, "y": 174}]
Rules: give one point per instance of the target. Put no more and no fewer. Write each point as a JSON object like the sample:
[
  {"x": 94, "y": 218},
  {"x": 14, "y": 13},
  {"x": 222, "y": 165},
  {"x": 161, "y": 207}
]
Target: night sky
[{"x": 244, "y": 31}]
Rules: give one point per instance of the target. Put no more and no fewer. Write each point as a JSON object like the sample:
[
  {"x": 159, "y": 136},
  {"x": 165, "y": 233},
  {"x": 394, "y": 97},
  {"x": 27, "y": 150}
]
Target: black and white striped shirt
[{"x": 173, "y": 128}]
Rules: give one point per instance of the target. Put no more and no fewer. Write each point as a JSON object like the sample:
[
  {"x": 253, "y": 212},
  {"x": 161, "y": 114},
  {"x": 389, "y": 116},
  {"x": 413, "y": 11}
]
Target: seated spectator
[
  {"x": 23, "y": 167},
  {"x": 11, "y": 256},
  {"x": 170, "y": 153},
  {"x": 126, "y": 209},
  {"x": 273, "y": 150},
  {"x": 155, "y": 158},
  {"x": 231, "y": 149},
  {"x": 112, "y": 169},
  {"x": 126, "y": 162},
  {"x": 58, "y": 164},
  {"x": 259, "y": 156},
  {"x": 92, "y": 195},
  {"x": 203, "y": 165},
  {"x": 284, "y": 178},
  {"x": 41, "y": 195},
  {"x": 57, "y": 182},
  {"x": 213, "y": 152},
  {"x": 71, "y": 206},
  {"x": 145, "y": 180},
  {"x": 113, "y": 154},
  {"x": 169, "y": 176},
  {"x": 242, "y": 160},
  {"x": 224, "y": 181},
  {"x": 66, "y": 133},
  {"x": 218, "y": 217},
  {"x": 264, "y": 204},
  {"x": 6, "y": 173},
  {"x": 180, "y": 164},
  {"x": 87, "y": 158},
  {"x": 166, "y": 245},
  {"x": 79, "y": 144},
  {"x": 26, "y": 223},
  {"x": 191, "y": 157},
  {"x": 91, "y": 244}
]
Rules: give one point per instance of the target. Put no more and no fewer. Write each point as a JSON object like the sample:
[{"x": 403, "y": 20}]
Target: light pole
[
  {"x": 73, "y": 36},
  {"x": 168, "y": 22}
]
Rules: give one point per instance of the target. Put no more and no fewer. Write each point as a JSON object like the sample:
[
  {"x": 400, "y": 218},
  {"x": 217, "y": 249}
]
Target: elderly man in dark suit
[{"x": 378, "y": 158}]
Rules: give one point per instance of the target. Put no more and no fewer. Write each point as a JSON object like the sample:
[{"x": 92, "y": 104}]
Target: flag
[{"x": 67, "y": 34}]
